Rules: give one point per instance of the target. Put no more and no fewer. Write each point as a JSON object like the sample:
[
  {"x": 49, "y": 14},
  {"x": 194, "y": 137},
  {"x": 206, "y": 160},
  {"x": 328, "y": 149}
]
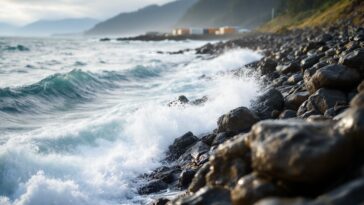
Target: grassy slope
[{"x": 345, "y": 10}]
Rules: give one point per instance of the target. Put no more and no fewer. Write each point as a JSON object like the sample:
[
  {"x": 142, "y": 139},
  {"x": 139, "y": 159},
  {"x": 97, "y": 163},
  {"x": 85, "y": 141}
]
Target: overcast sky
[{"x": 21, "y": 12}]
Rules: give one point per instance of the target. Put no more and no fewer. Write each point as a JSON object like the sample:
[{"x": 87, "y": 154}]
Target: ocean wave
[
  {"x": 15, "y": 48},
  {"x": 59, "y": 89}
]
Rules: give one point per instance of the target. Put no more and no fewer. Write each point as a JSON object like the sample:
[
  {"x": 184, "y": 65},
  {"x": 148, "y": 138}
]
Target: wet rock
[
  {"x": 200, "y": 101},
  {"x": 207, "y": 49},
  {"x": 206, "y": 196},
  {"x": 237, "y": 120},
  {"x": 321, "y": 101},
  {"x": 334, "y": 77},
  {"x": 295, "y": 100},
  {"x": 182, "y": 100},
  {"x": 354, "y": 60},
  {"x": 186, "y": 178},
  {"x": 193, "y": 153},
  {"x": 252, "y": 188},
  {"x": 180, "y": 145},
  {"x": 161, "y": 201},
  {"x": 287, "y": 149},
  {"x": 288, "y": 114},
  {"x": 153, "y": 187},
  {"x": 105, "y": 39},
  {"x": 199, "y": 180},
  {"x": 208, "y": 139},
  {"x": 229, "y": 163},
  {"x": 266, "y": 103},
  {"x": 165, "y": 174}
]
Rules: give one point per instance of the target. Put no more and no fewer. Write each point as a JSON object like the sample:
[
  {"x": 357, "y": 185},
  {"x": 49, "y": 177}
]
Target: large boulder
[
  {"x": 229, "y": 163},
  {"x": 334, "y": 77},
  {"x": 268, "y": 102},
  {"x": 322, "y": 100},
  {"x": 288, "y": 149},
  {"x": 237, "y": 120},
  {"x": 180, "y": 145},
  {"x": 252, "y": 188},
  {"x": 206, "y": 196}
]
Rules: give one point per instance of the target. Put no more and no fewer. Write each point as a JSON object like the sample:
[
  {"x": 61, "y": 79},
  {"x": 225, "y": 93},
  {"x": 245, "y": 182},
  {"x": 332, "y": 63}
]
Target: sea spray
[{"x": 93, "y": 152}]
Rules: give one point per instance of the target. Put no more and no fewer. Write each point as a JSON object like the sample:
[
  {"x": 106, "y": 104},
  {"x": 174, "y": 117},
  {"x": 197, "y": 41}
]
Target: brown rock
[{"x": 287, "y": 149}]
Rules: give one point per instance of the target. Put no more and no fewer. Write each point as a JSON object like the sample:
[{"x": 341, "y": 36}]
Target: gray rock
[
  {"x": 180, "y": 145},
  {"x": 266, "y": 103}
]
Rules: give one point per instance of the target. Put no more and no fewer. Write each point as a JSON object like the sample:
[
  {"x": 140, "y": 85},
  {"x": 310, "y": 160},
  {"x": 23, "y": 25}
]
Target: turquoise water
[{"x": 81, "y": 119}]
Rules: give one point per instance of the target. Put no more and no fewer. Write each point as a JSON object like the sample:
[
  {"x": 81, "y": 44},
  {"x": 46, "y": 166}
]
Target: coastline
[{"x": 301, "y": 139}]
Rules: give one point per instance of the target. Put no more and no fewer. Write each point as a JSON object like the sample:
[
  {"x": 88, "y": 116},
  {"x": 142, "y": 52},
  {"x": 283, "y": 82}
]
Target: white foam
[{"x": 95, "y": 160}]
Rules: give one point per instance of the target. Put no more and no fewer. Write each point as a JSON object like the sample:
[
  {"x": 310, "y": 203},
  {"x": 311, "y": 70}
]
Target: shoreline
[{"x": 293, "y": 142}]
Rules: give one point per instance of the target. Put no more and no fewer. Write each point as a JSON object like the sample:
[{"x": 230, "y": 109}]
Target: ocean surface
[{"x": 80, "y": 119}]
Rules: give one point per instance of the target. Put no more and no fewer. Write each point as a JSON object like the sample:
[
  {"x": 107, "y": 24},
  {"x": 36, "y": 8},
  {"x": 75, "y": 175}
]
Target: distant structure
[
  {"x": 181, "y": 32},
  {"x": 227, "y": 30}
]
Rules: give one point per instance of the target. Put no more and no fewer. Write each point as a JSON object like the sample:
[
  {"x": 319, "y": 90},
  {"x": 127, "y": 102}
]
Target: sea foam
[{"x": 94, "y": 154}]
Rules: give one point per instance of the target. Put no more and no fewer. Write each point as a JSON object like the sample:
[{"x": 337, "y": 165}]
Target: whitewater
[{"x": 81, "y": 119}]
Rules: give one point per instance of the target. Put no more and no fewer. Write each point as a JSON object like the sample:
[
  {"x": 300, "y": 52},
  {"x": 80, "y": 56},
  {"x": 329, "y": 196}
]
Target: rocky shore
[{"x": 300, "y": 143}]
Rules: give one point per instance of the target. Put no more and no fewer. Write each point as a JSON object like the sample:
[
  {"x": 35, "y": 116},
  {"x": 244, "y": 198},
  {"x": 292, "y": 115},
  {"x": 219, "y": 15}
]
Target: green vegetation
[{"x": 295, "y": 14}]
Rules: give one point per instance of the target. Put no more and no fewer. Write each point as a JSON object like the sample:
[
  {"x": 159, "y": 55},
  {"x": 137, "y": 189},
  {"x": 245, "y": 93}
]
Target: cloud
[{"x": 26, "y": 11}]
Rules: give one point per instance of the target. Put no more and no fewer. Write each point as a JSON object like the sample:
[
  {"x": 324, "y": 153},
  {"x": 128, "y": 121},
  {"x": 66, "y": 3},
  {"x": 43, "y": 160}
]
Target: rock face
[
  {"x": 238, "y": 120},
  {"x": 334, "y": 77},
  {"x": 267, "y": 103},
  {"x": 252, "y": 188},
  {"x": 287, "y": 149}
]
